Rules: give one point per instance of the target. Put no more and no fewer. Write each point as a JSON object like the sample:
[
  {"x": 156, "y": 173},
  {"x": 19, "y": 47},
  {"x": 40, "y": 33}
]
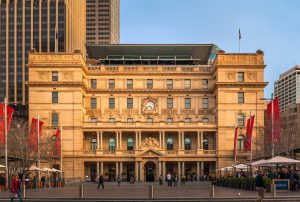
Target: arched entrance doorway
[{"x": 150, "y": 169}]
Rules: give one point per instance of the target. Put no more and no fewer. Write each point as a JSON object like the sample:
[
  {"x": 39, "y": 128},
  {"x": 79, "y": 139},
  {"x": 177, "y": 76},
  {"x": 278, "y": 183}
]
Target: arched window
[
  {"x": 187, "y": 143},
  {"x": 240, "y": 142},
  {"x": 170, "y": 143},
  {"x": 94, "y": 144},
  {"x": 130, "y": 144},
  {"x": 112, "y": 144},
  {"x": 205, "y": 144}
]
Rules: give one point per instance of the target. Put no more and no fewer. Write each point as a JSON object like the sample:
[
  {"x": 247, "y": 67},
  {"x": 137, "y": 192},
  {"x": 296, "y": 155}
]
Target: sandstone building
[{"x": 145, "y": 110}]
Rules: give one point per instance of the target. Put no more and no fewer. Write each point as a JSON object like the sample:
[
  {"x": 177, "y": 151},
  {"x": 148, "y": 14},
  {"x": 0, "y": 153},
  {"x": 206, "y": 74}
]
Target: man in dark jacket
[
  {"x": 260, "y": 185},
  {"x": 100, "y": 182}
]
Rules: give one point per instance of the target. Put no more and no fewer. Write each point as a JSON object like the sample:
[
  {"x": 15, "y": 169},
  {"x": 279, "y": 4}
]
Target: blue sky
[{"x": 270, "y": 25}]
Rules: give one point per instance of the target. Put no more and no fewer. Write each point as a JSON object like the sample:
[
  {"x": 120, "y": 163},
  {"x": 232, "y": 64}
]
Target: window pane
[
  {"x": 187, "y": 83},
  {"x": 54, "y": 119},
  {"x": 94, "y": 144},
  {"x": 187, "y": 103},
  {"x": 93, "y": 83},
  {"x": 240, "y": 76},
  {"x": 169, "y": 103},
  {"x": 170, "y": 144},
  {"x": 111, "y": 84},
  {"x": 205, "y": 103},
  {"x": 204, "y": 83},
  {"x": 129, "y": 103},
  {"x": 240, "y": 97},
  {"x": 187, "y": 144},
  {"x": 149, "y": 83},
  {"x": 241, "y": 120},
  {"x": 112, "y": 144},
  {"x": 93, "y": 103},
  {"x": 169, "y": 83},
  {"x": 54, "y": 97},
  {"x": 205, "y": 144},
  {"x": 130, "y": 144},
  {"x": 129, "y": 83},
  {"x": 111, "y": 103},
  {"x": 54, "y": 76}
]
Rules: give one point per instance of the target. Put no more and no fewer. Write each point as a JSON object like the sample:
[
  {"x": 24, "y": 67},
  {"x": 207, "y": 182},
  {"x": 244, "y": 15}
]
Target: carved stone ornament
[
  {"x": 44, "y": 76},
  {"x": 150, "y": 142},
  {"x": 252, "y": 76},
  {"x": 68, "y": 76},
  {"x": 149, "y": 105},
  {"x": 230, "y": 76}
]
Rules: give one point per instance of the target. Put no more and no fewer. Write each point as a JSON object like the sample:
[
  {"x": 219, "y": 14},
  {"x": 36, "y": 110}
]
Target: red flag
[
  {"x": 248, "y": 140},
  {"x": 235, "y": 139},
  {"x": 269, "y": 122},
  {"x": 33, "y": 136},
  {"x": 276, "y": 121},
  {"x": 10, "y": 112},
  {"x": 58, "y": 142}
]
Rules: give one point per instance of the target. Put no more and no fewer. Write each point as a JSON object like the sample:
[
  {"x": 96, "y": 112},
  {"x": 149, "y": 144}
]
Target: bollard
[
  {"x": 151, "y": 192},
  {"x": 212, "y": 191},
  {"x": 81, "y": 191},
  {"x": 24, "y": 190},
  {"x": 273, "y": 190}
]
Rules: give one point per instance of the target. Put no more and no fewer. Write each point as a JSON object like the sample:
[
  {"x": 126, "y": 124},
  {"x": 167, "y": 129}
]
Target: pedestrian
[
  {"x": 16, "y": 189},
  {"x": 119, "y": 180},
  {"x": 175, "y": 180},
  {"x": 260, "y": 185},
  {"x": 2, "y": 182},
  {"x": 169, "y": 179},
  {"x": 160, "y": 180},
  {"x": 131, "y": 180},
  {"x": 100, "y": 182},
  {"x": 182, "y": 180}
]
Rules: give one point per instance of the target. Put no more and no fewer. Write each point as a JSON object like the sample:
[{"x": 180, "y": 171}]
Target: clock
[{"x": 149, "y": 106}]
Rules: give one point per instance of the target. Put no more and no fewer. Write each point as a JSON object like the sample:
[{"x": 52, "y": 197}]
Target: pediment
[{"x": 151, "y": 153}]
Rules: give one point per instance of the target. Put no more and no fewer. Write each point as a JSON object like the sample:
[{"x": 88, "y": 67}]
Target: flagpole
[
  {"x": 272, "y": 137},
  {"x": 251, "y": 139},
  {"x": 235, "y": 128},
  {"x": 61, "y": 165},
  {"x": 5, "y": 138},
  {"x": 38, "y": 145}
]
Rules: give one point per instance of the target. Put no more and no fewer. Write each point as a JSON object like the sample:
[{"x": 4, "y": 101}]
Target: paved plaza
[{"x": 141, "y": 191}]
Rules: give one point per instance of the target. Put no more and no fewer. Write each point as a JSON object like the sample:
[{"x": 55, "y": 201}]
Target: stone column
[
  {"x": 121, "y": 168},
  {"x": 201, "y": 140},
  {"x": 198, "y": 170},
  {"x": 179, "y": 140},
  {"x": 179, "y": 171},
  {"x": 117, "y": 169},
  {"x": 120, "y": 133},
  {"x": 159, "y": 168},
  {"x": 97, "y": 169},
  {"x": 160, "y": 144},
  {"x": 182, "y": 139},
  {"x": 117, "y": 140},
  {"x": 202, "y": 168},
  {"x": 136, "y": 140},
  {"x": 101, "y": 168},
  {"x": 198, "y": 139},
  {"x": 98, "y": 140},
  {"x": 164, "y": 140},
  {"x": 183, "y": 168},
  {"x": 136, "y": 171},
  {"x": 101, "y": 140},
  {"x": 140, "y": 139},
  {"x": 164, "y": 170},
  {"x": 141, "y": 171}
]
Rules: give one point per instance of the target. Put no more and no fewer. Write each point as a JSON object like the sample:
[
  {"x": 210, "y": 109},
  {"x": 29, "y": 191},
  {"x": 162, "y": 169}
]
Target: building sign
[{"x": 282, "y": 185}]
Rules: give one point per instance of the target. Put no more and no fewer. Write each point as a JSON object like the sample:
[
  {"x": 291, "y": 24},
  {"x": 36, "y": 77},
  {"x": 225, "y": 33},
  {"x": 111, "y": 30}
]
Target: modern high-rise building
[
  {"x": 287, "y": 87},
  {"x": 44, "y": 25},
  {"x": 103, "y": 21}
]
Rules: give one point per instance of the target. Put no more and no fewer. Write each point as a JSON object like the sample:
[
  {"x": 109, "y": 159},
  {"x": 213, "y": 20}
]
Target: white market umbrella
[
  {"x": 33, "y": 168},
  {"x": 2, "y": 166},
  {"x": 47, "y": 169},
  {"x": 257, "y": 163},
  {"x": 55, "y": 170},
  {"x": 227, "y": 168},
  {"x": 279, "y": 160},
  {"x": 240, "y": 166}
]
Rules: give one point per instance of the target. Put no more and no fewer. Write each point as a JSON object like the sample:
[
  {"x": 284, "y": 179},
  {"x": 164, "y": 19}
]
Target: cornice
[
  {"x": 239, "y": 84},
  {"x": 145, "y": 91}
]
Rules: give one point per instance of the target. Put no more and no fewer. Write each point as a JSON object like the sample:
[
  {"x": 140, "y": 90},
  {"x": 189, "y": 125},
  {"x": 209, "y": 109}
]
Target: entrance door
[{"x": 150, "y": 168}]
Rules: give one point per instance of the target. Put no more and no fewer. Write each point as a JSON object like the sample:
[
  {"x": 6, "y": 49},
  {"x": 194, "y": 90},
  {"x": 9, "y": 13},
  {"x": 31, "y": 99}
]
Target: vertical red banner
[
  {"x": 33, "y": 136},
  {"x": 276, "y": 121},
  {"x": 248, "y": 140},
  {"x": 58, "y": 142},
  {"x": 269, "y": 126},
  {"x": 235, "y": 139},
  {"x": 10, "y": 112}
]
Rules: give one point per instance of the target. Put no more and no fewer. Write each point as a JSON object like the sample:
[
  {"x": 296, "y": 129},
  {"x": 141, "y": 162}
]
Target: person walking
[
  {"x": 16, "y": 189},
  {"x": 160, "y": 180},
  {"x": 119, "y": 180},
  {"x": 169, "y": 179},
  {"x": 182, "y": 180},
  {"x": 260, "y": 185},
  {"x": 100, "y": 182},
  {"x": 175, "y": 180},
  {"x": 131, "y": 180}
]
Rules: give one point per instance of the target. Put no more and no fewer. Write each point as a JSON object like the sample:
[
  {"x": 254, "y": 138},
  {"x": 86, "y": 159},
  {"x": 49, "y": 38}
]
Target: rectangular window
[
  {"x": 169, "y": 83},
  {"x": 54, "y": 120},
  {"x": 187, "y": 103},
  {"x": 187, "y": 83},
  {"x": 111, "y": 84},
  {"x": 130, "y": 121},
  {"x": 129, "y": 84},
  {"x": 129, "y": 103},
  {"x": 240, "y": 97},
  {"x": 94, "y": 120},
  {"x": 169, "y": 103},
  {"x": 149, "y": 121},
  {"x": 111, "y": 103},
  {"x": 93, "y": 103},
  {"x": 240, "y": 76},
  {"x": 111, "y": 121},
  {"x": 205, "y": 103},
  {"x": 54, "y": 97},
  {"x": 204, "y": 83},
  {"x": 204, "y": 120},
  {"x": 169, "y": 121},
  {"x": 241, "y": 120},
  {"x": 149, "y": 83},
  {"x": 187, "y": 120},
  {"x": 93, "y": 83},
  {"x": 54, "y": 76}
]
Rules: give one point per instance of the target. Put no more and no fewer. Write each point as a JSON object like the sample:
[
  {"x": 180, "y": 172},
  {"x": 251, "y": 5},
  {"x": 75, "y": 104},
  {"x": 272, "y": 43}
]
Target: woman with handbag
[{"x": 16, "y": 189}]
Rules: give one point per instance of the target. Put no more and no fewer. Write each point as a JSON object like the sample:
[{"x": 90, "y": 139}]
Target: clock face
[{"x": 150, "y": 106}]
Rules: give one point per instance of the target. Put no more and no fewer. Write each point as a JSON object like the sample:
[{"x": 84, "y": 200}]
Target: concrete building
[
  {"x": 103, "y": 21},
  {"x": 45, "y": 25},
  {"x": 145, "y": 110},
  {"x": 287, "y": 88}
]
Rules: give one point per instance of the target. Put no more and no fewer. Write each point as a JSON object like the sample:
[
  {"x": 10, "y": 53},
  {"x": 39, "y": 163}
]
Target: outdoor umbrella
[
  {"x": 33, "y": 168},
  {"x": 278, "y": 160},
  {"x": 257, "y": 163},
  {"x": 55, "y": 170},
  {"x": 240, "y": 166},
  {"x": 47, "y": 170},
  {"x": 2, "y": 166}
]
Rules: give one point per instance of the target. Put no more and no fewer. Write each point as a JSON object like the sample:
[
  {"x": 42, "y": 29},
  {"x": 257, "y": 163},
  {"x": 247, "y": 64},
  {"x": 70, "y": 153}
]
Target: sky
[{"x": 270, "y": 25}]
